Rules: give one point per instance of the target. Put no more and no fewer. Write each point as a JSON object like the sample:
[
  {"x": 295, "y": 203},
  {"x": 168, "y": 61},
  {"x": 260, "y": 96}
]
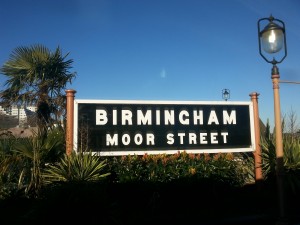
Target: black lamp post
[
  {"x": 272, "y": 40},
  {"x": 226, "y": 94}
]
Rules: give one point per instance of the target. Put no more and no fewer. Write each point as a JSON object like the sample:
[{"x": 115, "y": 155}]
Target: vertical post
[
  {"x": 257, "y": 153},
  {"x": 279, "y": 144},
  {"x": 70, "y": 121}
]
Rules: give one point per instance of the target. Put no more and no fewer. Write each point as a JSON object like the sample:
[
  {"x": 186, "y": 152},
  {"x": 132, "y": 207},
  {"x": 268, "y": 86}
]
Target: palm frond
[
  {"x": 35, "y": 74},
  {"x": 77, "y": 167}
]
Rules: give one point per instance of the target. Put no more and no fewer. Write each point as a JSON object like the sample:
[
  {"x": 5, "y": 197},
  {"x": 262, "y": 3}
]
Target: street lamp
[
  {"x": 226, "y": 94},
  {"x": 272, "y": 40}
]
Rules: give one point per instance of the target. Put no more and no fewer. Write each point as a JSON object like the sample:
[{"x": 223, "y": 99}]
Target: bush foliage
[
  {"x": 27, "y": 165},
  {"x": 163, "y": 168}
]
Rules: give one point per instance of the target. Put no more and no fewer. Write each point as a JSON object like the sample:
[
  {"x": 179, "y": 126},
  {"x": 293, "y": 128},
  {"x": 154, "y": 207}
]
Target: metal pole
[
  {"x": 288, "y": 82},
  {"x": 257, "y": 152},
  {"x": 70, "y": 121},
  {"x": 279, "y": 144}
]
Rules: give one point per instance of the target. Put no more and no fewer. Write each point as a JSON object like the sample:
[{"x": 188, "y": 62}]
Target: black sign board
[{"x": 120, "y": 127}]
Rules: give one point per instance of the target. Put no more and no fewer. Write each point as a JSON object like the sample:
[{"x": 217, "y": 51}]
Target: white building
[{"x": 22, "y": 113}]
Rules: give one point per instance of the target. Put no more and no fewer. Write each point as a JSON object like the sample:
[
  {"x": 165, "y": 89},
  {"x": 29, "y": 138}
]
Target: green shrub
[
  {"x": 23, "y": 159},
  {"x": 164, "y": 168},
  {"x": 11, "y": 168},
  {"x": 291, "y": 160},
  {"x": 78, "y": 167}
]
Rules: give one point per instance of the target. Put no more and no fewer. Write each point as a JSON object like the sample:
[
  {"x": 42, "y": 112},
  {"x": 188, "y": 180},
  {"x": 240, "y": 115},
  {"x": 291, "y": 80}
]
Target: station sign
[{"x": 122, "y": 127}]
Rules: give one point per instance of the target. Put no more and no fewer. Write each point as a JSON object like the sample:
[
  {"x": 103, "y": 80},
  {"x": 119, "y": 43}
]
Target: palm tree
[{"x": 35, "y": 75}]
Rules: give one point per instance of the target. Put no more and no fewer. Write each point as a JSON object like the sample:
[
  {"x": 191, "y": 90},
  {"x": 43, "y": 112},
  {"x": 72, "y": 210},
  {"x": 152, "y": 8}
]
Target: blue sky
[{"x": 160, "y": 49}]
